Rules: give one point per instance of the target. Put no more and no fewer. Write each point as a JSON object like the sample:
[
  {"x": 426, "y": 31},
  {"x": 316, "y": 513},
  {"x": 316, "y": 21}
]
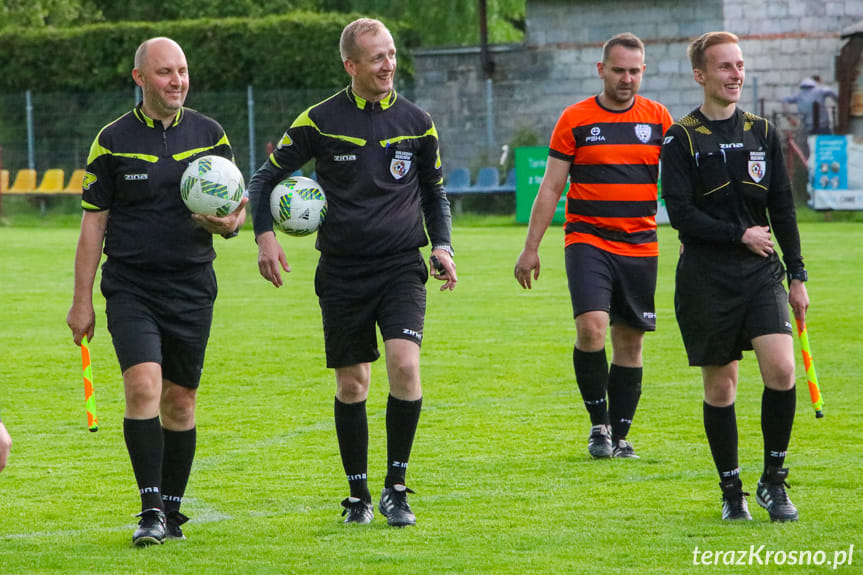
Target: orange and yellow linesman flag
[
  {"x": 89, "y": 393},
  {"x": 814, "y": 391}
]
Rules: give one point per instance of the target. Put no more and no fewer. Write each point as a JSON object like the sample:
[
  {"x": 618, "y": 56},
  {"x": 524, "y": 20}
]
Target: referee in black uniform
[
  {"x": 376, "y": 157},
  {"x": 726, "y": 188},
  {"x": 158, "y": 278}
]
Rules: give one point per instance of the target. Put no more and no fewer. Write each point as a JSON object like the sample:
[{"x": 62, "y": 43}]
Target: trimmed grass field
[{"x": 503, "y": 480}]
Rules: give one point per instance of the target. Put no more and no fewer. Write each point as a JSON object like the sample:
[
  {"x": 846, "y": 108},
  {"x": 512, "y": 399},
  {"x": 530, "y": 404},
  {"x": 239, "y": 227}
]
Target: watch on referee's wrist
[
  {"x": 798, "y": 275},
  {"x": 232, "y": 234},
  {"x": 444, "y": 247}
]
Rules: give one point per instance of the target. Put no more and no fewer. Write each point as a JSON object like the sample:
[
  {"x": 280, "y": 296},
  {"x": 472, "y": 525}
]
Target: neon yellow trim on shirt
[{"x": 303, "y": 120}]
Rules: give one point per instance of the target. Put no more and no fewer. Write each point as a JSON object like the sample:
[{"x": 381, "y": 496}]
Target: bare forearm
[
  {"x": 87, "y": 255},
  {"x": 541, "y": 216}
]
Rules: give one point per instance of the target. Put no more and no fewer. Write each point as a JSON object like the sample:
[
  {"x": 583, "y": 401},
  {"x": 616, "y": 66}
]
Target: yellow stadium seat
[
  {"x": 76, "y": 183},
  {"x": 52, "y": 182},
  {"x": 4, "y": 181},
  {"x": 25, "y": 182}
]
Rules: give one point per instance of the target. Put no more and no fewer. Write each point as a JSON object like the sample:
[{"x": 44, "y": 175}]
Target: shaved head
[{"x": 143, "y": 50}]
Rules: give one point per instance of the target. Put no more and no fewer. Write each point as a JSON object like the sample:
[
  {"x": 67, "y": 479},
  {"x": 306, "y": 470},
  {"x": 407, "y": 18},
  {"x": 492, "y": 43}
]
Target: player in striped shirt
[{"x": 608, "y": 146}]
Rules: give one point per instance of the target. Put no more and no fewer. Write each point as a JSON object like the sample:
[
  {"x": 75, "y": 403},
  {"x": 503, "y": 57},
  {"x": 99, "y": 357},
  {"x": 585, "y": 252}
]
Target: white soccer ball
[
  {"x": 212, "y": 186},
  {"x": 298, "y": 205}
]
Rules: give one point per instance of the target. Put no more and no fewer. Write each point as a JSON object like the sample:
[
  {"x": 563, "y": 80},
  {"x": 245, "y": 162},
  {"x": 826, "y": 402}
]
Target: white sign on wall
[{"x": 835, "y": 173}]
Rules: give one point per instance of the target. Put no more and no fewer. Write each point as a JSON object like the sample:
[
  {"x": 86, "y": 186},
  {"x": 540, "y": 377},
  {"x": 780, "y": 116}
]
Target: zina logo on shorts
[{"x": 413, "y": 333}]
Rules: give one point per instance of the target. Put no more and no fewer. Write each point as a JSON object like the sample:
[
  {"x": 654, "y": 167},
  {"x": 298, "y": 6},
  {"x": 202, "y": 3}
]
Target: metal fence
[{"x": 45, "y": 131}]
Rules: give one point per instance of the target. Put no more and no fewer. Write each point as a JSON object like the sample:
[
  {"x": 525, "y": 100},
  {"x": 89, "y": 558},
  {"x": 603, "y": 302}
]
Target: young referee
[{"x": 726, "y": 189}]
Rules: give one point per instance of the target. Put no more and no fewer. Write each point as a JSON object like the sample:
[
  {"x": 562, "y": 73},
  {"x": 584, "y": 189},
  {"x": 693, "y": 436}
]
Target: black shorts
[
  {"x": 161, "y": 318},
  {"x": 356, "y": 296},
  {"x": 623, "y": 286},
  {"x": 722, "y": 305}
]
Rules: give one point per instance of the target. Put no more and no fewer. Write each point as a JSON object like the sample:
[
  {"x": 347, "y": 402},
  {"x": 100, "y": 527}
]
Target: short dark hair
[
  {"x": 699, "y": 46},
  {"x": 625, "y": 39}
]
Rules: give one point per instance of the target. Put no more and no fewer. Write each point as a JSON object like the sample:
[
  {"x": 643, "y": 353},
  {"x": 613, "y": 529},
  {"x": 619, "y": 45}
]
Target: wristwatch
[
  {"x": 798, "y": 275},
  {"x": 232, "y": 234},
  {"x": 445, "y": 247}
]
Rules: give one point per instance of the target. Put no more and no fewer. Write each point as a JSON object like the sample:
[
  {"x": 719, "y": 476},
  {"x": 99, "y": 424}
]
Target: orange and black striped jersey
[{"x": 614, "y": 156}]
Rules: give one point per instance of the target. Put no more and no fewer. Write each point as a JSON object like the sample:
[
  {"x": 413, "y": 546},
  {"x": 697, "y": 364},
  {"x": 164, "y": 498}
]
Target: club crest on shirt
[
  {"x": 400, "y": 165},
  {"x": 643, "y": 132},
  {"x": 399, "y": 168},
  {"x": 757, "y": 166}
]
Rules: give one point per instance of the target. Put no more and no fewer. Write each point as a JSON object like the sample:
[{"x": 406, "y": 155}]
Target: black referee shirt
[
  {"x": 720, "y": 178},
  {"x": 379, "y": 166},
  {"x": 134, "y": 170}
]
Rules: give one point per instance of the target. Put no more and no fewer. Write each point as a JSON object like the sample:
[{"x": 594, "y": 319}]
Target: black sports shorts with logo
[
  {"x": 623, "y": 286},
  {"x": 160, "y": 317},
  {"x": 355, "y": 296},
  {"x": 722, "y": 301}
]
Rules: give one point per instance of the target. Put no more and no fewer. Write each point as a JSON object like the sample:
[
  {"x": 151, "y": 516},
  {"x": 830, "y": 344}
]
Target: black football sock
[
  {"x": 352, "y": 429},
  {"x": 777, "y": 418},
  {"x": 177, "y": 465},
  {"x": 591, "y": 374},
  {"x": 624, "y": 391},
  {"x": 145, "y": 446},
  {"x": 720, "y": 423},
  {"x": 402, "y": 420}
]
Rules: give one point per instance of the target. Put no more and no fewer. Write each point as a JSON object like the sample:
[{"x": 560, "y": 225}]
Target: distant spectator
[{"x": 811, "y": 102}]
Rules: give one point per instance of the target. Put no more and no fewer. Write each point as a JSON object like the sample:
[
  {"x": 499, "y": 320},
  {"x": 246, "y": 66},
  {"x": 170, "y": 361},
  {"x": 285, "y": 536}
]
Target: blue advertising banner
[{"x": 835, "y": 173}]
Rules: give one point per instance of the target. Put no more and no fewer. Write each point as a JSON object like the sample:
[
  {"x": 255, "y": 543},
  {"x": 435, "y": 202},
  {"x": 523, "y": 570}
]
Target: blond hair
[
  {"x": 348, "y": 41},
  {"x": 699, "y": 46}
]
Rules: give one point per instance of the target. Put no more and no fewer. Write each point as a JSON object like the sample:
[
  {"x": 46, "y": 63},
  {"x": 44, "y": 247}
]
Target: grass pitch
[{"x": 503, "y": 480}]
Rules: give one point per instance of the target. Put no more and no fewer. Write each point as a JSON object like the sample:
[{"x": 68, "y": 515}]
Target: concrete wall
[{"x": 783, "y": 41}]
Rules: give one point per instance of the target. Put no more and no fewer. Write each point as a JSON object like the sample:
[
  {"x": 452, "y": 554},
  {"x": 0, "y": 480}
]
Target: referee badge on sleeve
[
  {"x": 89, "y": 180},
  {"x": 757, "y": 166}
]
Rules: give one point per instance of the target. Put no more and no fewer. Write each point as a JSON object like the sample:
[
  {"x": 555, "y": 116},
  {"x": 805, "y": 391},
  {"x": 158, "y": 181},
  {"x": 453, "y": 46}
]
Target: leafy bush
[{"x": 297, "y": 50}]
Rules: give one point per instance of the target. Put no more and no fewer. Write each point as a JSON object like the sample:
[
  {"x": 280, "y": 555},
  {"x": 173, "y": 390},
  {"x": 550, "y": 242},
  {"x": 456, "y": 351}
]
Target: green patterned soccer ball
[
  {"x": 298, "y": 205},
  {"x": 212, "y": 186}
]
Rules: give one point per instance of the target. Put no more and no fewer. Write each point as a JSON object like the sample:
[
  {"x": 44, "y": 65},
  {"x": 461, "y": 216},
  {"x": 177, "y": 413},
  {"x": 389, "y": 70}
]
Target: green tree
[
  {"x": 444, "y": 22},
  {"x": 440, "y": 23},
  {"x": 161, "y": 10},
  {"x": 450, "y": 22},
  {"x": 41, "y": 13}
]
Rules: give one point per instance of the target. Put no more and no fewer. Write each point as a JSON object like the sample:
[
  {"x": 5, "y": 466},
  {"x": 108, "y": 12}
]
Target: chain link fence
[
  {"x": 54, "y": 130},
  {"x": 46, "y": 131}
]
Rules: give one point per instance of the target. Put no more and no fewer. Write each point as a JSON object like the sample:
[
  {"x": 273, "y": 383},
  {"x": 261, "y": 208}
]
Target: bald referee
[{"x": 158, "y": 278}]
